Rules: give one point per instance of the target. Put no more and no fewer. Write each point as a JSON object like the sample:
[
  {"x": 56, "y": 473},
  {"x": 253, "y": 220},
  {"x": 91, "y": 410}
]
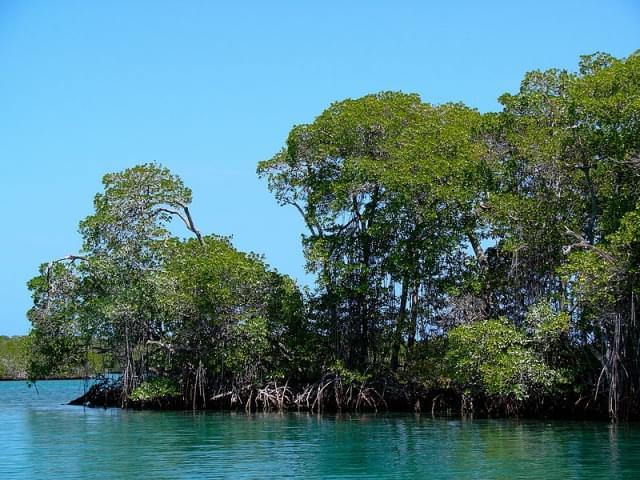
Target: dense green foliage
[{"x": 492, "y": 255}]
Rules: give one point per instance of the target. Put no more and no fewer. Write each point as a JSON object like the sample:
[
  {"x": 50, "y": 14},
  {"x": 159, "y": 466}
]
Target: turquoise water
[{"x": 42, "y": 438}]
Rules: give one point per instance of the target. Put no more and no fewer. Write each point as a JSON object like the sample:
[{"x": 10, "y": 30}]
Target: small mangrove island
[{"x": 464, "y": 263}]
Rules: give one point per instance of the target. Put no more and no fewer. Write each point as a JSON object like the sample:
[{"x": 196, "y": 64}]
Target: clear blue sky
[{"x": 210, "y": 88}]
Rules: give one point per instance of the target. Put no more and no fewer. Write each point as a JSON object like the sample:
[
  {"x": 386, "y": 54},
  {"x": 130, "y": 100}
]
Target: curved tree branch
[
  {"x": 584, "y": 244},
  {"x": 186, "y": 218}
]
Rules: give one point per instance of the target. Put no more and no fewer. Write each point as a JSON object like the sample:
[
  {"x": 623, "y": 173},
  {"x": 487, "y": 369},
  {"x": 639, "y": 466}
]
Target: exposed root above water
[{"x": 331, "y": 393}]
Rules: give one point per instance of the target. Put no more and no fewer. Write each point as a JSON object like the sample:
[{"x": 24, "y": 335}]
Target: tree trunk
[
  {"x": 397, "y": 337},
  {"x": 414, "y": 315}
]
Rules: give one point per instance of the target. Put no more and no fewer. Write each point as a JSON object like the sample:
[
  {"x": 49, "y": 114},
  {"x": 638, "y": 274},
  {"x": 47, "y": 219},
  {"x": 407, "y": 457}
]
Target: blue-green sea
[{"x": 42, "y": 438}]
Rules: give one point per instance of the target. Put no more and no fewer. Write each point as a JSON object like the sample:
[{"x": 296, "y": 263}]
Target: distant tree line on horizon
[
  {"x": 484, "y": 261},
  {"x": 14, "y": 359}
]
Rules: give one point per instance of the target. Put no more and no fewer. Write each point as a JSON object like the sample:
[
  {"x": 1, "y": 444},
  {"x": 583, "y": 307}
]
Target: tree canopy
[
  {"x": 489, "y": 257},
  {"x": 196, "y": 311}
]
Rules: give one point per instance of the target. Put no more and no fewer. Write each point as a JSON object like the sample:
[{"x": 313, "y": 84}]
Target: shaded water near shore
[{"x": 43, "y": 438}]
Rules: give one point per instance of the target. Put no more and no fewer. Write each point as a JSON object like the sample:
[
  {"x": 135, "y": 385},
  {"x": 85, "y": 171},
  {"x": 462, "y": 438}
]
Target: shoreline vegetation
[
  {"x": 481, "y": 264},
  {"x": 334, "y": 394}
]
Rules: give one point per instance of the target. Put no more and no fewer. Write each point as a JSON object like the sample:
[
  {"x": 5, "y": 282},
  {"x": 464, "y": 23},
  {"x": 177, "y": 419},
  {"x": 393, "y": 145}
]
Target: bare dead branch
[
  {"x": 187, "y": 219},
  {"x": 314, "y": 229},
  {"x": 584, "y": 244}
]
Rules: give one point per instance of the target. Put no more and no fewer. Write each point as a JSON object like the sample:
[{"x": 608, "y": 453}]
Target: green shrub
[
  {"x": 154, "y": 389},
  {"x": 495, "y": 358}
]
